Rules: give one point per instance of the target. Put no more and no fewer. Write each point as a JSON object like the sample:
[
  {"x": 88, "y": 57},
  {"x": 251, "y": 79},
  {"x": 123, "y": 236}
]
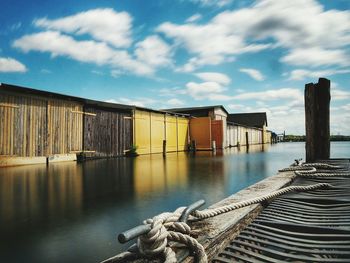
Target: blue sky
[{"x": 246, "y": 55}]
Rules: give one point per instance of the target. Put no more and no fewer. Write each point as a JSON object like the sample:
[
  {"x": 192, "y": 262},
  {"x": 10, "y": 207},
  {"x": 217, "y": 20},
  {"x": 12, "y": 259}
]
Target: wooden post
[
  {"x": 317, "y": 100},
  {"x": 213, "y": 146},
  {"x": 164, "y": 147},
  {"x": 247, "y": 139},
  {"x": 194, "y": 146}
]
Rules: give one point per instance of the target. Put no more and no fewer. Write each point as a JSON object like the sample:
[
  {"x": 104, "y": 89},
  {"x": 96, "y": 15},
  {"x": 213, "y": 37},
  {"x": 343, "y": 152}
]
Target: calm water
[{"x": 72, "y": 212}]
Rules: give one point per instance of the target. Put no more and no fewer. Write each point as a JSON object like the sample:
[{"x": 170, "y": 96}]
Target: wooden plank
[
  {"x": 85, "y": 113},
  {"x": 15, "y": 161},
  {"x": 9, "y": 105}
]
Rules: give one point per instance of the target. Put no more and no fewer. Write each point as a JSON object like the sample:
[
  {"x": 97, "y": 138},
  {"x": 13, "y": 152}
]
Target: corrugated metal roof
[
  {"x": 189, "y": 109},
  {"x": 255, "y": 119},
  {"x": 94, "y": 103}
]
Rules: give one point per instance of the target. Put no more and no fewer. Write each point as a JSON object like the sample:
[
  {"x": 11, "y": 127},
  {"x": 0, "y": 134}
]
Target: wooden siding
[
  {"x": 65, "y": 127},
  {"x": 108, "y": 133},
  {"x": 217, "y": 133},
  {"x": 236, "y": 135},
  {"x": 171, "y": 134},
  {"x": 23, "y": 123},
  {"x": 200, "y": 132},
  {"x": 157, "y": 132},
  {"x": 182, "y": 133},
  {"x": 35, "y": 126},
  {"x": 142, "y": 131},
  {"x": 151, "y": 128}
]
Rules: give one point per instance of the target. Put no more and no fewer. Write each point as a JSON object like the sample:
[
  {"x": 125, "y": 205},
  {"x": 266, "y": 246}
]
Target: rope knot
[{"x": 165, "y": 228}]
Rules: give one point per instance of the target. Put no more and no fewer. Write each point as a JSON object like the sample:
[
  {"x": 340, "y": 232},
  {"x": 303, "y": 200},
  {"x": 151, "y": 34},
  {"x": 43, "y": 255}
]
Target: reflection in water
[
  {"x": 72, "y": 212},
  {"x": 37, "y": 192},
  {"x": 155, "y": 173}
]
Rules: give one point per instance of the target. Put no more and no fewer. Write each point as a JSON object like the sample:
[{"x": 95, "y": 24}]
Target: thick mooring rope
[
  {"x": 310, "y": 170},
  {"x": 211, "y": 212},
  {"x": 167, "y": 232},
  {"x": 164, "y": 228}
]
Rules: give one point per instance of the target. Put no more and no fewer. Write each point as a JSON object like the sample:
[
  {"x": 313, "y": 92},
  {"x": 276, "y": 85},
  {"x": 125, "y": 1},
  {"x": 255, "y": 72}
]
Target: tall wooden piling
[
  {"x": 247, "y": 139},
  {"x": 317, "y": 100}
]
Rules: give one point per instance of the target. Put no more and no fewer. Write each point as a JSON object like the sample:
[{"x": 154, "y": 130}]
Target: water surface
[{"x": 70, "y": 212}]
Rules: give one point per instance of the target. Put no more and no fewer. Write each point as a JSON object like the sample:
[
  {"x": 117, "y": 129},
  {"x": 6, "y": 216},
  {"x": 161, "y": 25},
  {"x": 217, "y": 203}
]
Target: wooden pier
[
  {"x": 311, "y": 226},
  {"x": 300, "y": 215}
]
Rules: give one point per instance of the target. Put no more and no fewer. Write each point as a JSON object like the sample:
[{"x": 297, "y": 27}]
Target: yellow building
[{"x": 158, "y": 131}]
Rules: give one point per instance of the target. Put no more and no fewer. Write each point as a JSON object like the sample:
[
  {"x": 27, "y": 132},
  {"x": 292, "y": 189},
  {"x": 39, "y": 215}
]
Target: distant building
[
  {"x": 208, "y": 125},
  {"x": 254, "y": 119}
]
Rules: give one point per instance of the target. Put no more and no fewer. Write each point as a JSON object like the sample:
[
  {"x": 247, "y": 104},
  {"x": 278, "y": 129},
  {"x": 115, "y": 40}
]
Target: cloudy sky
[{"x": 246, "y": 55}]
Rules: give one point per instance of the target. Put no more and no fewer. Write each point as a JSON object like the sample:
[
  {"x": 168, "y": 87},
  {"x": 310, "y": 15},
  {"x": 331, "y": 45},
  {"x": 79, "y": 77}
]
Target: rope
[
  {"x": 167, "y": 232},
  {"x": 165, "y": 228},
  {"x": 211, "y": 212},
  {"x": 310, "y": 170}
]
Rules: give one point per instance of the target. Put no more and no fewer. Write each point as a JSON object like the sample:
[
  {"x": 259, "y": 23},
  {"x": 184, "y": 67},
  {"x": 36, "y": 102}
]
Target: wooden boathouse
[
  {"x": 207, "y": 124},
  {"x": 214, "y": 123},
  {"x": 247, "y": 129},
  {"x": 160, "y": 131},
  {"x": 38, "y": 127}
]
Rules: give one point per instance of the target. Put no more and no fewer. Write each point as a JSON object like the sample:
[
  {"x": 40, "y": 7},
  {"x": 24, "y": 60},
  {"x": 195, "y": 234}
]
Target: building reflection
[
  {"x": 154, "y": 173},
  {"x": 108, "y": 179},
  {"x": 30, "y": 194}
]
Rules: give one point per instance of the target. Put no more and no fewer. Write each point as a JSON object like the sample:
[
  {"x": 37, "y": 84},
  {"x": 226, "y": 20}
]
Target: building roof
[
  {"x": 254, "y": 119},
  {"x": 190, "y": 109},
  {"x": 93, "y": 103}
]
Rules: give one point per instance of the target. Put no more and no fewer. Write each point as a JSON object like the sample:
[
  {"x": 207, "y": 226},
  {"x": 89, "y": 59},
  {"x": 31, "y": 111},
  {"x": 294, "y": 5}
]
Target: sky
[{"x": 249, "y": 56}]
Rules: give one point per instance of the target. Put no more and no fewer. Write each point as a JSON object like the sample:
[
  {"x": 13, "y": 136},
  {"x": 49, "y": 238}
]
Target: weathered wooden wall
[
  {"x": 152, "y": 128},
  {"x": 65, "y": 127},
  {"x": 236, "y": 134},
  {"x": 171, "y": 133},
  {"x": 200, "y": 132},
  {"x": 23, "y": 124},
  {"x": 108, "y": 133},
  {"x": 37, "y": 126},
  {"x": 182, "y": 133},
  {"x": 217, "y": 134}
]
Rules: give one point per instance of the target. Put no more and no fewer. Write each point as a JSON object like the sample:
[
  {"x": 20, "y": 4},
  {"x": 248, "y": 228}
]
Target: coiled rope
[
  {"x": 166, "y": 228},
  {"x": 310, "y": 170},
  {"x": 167, "y": 232}
]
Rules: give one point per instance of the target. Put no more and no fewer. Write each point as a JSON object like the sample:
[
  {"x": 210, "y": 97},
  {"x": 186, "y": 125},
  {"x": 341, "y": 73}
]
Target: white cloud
[
  {"x": 84, "y": 51},
  {"x": 105, "y": 25},
  {"x": 253, "y": 73},
  {"x": 219, "y": 3},
  {"x": 346, "y": 107},
  {"x": 45, "y": 71},
  {"x": 299, "y": 26},
  {"x": 97, "y": 72},
  {"x": 206, "y": 90},
  {"x": 301, "y": 74},
  {"x": 214, "y": 77},
  {"x": 164, "y": 92},
  {"x": 267, "y": 95},
  {"x": 316, "y": 56},
  {"x": 339, "y": 94},
  {"x": 194, "y": 18},
  {"x": 211, "y": 50},
  {"x": 175, "y": 102},
  {"x": 153, "y": 51},
  {"x": 11, "y": 65},
  {"x": 116, "y": 73},
  {"x": 15, "y": 26}
]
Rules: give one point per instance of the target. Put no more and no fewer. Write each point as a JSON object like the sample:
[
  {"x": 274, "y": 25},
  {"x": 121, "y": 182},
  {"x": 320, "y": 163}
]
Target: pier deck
[{"x": 298, "y": 227}]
